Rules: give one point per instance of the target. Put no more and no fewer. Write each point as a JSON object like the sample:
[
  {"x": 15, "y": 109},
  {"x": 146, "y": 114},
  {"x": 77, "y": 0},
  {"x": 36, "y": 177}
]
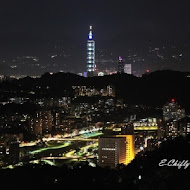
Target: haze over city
[{"x": 38, "y": 37}]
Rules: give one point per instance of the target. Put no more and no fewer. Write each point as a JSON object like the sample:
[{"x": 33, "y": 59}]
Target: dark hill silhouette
[{"x": 155, "y": 88}]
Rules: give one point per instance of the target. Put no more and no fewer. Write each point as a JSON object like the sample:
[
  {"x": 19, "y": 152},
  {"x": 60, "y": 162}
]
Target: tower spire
[{"x": 90, "y": 36}]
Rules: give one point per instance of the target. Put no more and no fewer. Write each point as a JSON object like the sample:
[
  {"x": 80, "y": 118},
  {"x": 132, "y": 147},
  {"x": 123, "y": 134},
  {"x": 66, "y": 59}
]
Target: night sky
[{"x": 33, "y": 27}]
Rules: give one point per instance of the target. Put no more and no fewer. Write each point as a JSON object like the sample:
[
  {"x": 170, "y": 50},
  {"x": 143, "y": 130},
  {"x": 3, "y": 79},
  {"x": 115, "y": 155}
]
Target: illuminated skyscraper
[
  {"x": 90, "y": 54},
  {"x": 120, "y": 68}
]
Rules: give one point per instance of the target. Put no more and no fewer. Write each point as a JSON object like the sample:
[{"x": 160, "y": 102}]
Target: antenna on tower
[{"x": 90, "y": 33}]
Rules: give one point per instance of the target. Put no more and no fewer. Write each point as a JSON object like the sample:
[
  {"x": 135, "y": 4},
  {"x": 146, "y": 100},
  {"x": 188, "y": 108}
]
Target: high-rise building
[
  {"x": 90, "y": 54},
  {"x": 47, "y": 121},
  {"x": 111, "y": 151},
  {"x": 35, "y": 125},
  {"x": 173, "y": 111},
  {"x": 41, "y": 123},
  {"x": 120, "y": 68},
  {"x": 172, "y": 129},
  {"x": 184, "y": 126},
  {"x": 175, "y": 128},
  {"x": 127, "y": 69},
  {"x": 130, "y": 147}
]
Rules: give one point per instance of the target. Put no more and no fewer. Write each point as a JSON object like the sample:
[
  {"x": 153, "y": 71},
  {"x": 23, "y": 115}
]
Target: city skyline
[
  {"x": 56, "y": 35},
  {"x": 95, "y": 92}
]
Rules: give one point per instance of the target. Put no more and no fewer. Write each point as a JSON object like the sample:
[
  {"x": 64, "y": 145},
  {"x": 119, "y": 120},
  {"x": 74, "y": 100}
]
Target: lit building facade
[
  {"x": 172, "y": 111},
  {"x": 90, "y": 54},
  {"x": 40, "y": 123},
  {"x": 92, "y": 91},
  {"x": 111, "y": 151},
  {"x": 130, "y": 147},
  {"x": 147, "y": 124},
  {"x": 172, "y": 129},
  {"x": 184, "y": 126},
  {"x": 145, "y": 129},
  {"x": 35, "y": 125},
  {"x": 175, "y": 128}
]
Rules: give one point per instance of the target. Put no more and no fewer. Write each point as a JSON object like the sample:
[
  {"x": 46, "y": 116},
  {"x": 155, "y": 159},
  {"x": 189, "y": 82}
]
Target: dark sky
[{"x": 27, "y": 25}]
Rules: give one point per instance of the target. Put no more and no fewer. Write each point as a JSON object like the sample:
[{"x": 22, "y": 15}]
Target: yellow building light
[
  {"x": 146, "y": 128},
  {"x": 130, "y": 148},
  {"x": 117, "y": 129}
]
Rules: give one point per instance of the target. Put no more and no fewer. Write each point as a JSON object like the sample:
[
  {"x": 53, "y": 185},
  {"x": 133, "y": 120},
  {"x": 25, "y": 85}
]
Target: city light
[{"x": 95, "y": 94}]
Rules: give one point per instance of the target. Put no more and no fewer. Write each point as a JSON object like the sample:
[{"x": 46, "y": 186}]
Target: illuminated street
[
  {"x": 62, "y": 148},
  {"x": 50, "y": 148},
  {"x": 95, "y": 93}
]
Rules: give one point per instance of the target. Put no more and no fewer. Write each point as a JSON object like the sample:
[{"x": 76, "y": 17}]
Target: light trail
[
  {"x": 89, "y": 146},
  {"x": 68, "y": 139},
  {"x": 24, "y": 144},
  {"x": 84, "y": 149},
  {"x": 84, "y": 137},
  {"x": 50, "y": 148},
  {"x": 70, "y": 154},
  {"x": 67, "y": 158},
  {"x": 48, "y": 162}
]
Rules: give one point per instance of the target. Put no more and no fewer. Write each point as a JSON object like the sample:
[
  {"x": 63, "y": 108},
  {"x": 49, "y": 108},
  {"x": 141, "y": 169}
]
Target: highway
[
  {"x": 83, "y": 137},
  {"x": 50, "y": 148},
  {"x": 70, "y": 154},
  {"x": 59, "y": 147},
  {"x": 68, "y": 139}
]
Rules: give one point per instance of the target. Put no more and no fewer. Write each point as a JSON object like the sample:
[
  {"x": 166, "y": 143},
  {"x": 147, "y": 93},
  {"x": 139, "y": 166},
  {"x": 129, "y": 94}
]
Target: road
[
  {"x": 84, "y": 137},
  {"x": 72, "y": 155},
  {"x": 50, "y": 148}
]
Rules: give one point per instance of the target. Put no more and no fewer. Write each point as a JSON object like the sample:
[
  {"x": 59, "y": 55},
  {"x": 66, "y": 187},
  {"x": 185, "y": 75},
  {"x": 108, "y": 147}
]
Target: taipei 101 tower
[{"x": 90, "y": 54}]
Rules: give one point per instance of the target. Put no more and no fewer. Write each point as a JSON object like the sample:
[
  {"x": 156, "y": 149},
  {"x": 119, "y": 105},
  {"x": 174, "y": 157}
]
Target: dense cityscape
[{"x": 119, "y": 119}]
